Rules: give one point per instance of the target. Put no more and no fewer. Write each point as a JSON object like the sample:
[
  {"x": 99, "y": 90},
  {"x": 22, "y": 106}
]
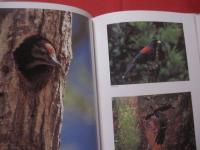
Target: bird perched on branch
[
  {"x": 36, "y": 59},
  {"x": 145, "y": 52}
]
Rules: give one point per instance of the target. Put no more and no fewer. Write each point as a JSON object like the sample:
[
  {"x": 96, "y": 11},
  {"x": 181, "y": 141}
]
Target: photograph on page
[
  {"x": 147, "y": 52},
  {"x": 46, "y": 80},
  {"x": 154, "y": 122}
]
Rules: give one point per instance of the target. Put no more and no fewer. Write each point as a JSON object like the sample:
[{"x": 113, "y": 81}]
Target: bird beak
[
  {"x": 159, "y": 41},
  {"x": 55, "y": 62}
]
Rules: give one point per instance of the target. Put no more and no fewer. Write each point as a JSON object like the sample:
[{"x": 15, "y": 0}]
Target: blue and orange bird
[{"x": 146, "y": 51}]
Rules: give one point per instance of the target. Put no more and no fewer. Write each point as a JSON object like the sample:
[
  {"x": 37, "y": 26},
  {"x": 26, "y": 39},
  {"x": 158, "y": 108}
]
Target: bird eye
[
  {"x": 38, "y": 52},
  {"x": 43, "y": 50},
  {"x": 39, "y": 48},
  {"x": 159, "y": 41}
]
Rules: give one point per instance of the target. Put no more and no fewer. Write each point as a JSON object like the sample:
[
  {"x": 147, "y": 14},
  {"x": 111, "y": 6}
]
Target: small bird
[
  {"x": 146, "y": 51},
  {"x": 36, "y": 59}
]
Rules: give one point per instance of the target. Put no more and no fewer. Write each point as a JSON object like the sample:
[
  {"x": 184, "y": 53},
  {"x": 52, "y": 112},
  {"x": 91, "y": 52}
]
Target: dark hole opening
[{"x": 40, "y": 73}]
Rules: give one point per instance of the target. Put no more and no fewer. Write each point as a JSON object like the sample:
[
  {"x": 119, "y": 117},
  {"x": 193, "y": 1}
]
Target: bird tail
[
  {"x": 160, "y": 137},
  {"x": 131, "y": 65}
]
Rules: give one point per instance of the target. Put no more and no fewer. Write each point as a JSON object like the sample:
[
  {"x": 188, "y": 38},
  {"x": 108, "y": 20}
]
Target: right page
[
  {"x": 148, "y": 80},
  {"x": 198, "y": 30}
]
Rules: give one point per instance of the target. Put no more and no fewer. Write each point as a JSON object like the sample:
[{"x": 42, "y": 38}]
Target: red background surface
[{"x": 98, "y": 7}]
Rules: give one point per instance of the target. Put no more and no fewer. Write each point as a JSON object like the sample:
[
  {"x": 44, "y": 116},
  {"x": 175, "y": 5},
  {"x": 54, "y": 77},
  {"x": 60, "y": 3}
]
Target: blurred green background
[
  {"x": 79, "y": 123},
  {"x": 126, "y": 39},
  {"x": 126, "y": 131}
]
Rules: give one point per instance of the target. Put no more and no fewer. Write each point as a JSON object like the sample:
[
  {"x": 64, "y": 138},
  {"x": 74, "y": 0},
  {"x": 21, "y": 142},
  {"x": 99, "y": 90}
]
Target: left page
[{"x": 47, "y": 89}]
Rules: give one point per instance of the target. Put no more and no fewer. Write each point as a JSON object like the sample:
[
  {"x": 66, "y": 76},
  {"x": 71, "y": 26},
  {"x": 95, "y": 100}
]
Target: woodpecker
[
  {"x": 162, "y": 122},
  {"x": 145, "y": 52},
  {"x": 36, "y": 59}
]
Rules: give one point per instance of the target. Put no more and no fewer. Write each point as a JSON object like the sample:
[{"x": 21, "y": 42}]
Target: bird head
[
  {"x": 154, "y": 43},
  {"x": 43, "y": 53}
]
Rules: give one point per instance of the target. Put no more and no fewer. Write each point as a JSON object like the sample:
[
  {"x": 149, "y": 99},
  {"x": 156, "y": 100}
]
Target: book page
[
  {"x": 198, "y": 30},
  {"x": 148, "y": 80},
  {"x": 79, "y": 118}
]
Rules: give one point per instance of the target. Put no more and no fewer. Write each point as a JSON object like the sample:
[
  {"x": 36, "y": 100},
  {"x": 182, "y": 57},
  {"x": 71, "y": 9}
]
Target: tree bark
[{"x": 31, "y": 120}]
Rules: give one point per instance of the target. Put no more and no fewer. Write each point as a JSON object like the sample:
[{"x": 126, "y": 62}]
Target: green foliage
[
  {"x": 174, "y": 66},
  {"x": 76, "y": 100},
  {"x": 126, "y": 39},
  {"x": 128, "y": 134}
]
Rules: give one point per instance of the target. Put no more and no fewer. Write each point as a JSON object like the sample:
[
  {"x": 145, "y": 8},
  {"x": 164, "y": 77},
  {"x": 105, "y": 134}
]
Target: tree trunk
[{"x": 31, "y": 120}]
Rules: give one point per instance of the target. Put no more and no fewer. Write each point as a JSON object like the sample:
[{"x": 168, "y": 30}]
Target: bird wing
[{"x": 146, "y": 50}]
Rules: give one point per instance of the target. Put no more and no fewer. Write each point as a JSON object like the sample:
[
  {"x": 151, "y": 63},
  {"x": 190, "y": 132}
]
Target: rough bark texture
[{"x": 31, "y": 120}]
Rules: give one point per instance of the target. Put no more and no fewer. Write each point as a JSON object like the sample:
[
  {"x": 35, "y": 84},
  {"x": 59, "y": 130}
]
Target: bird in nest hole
[{"x": 36, "y": 59}]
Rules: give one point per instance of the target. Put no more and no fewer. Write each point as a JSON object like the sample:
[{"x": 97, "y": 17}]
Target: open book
[{"x": 133, "y": 77}]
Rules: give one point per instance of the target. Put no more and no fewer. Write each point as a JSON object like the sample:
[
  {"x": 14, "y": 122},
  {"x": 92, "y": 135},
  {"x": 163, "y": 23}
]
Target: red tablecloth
[{"x": 98, "y": 7}]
